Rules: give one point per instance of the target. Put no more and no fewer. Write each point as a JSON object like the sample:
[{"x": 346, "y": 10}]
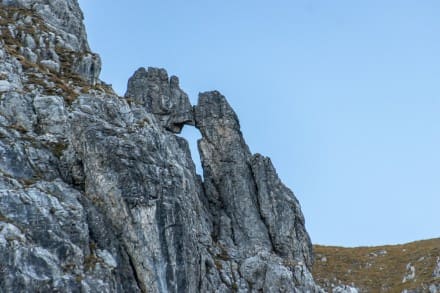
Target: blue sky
[{"x": 343, "y": 95}]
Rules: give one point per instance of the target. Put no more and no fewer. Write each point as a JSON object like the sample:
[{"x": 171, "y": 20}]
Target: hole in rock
[{"x": 192, "y": 135}]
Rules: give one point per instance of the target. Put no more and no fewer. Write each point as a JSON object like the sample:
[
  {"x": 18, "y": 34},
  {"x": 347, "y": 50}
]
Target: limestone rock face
[
  {"x": 245, "y": 188},
  {"x": 98, "y": 194},
  {"x": 144, "y": 185},
  {"x": 436, "y": 273},
  {"x": 256, "y": 220},
  {"x": 57, "y": 40},
  {"x": 64, "y": 15},
  {"x": 155, "y": 93}
]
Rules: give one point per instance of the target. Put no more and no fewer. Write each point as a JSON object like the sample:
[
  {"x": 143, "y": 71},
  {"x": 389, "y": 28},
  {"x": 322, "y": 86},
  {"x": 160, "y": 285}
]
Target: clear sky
[{"x": 343, "y": 95}]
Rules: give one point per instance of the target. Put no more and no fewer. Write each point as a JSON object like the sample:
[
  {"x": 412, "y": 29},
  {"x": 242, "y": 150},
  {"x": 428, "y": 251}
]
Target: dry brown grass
[
  {"x": 20, "y": 128},
  {"x": 372, "y": 271}
]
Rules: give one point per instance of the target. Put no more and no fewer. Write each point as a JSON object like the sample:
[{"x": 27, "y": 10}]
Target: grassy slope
[{"x": 372, "y": 271}]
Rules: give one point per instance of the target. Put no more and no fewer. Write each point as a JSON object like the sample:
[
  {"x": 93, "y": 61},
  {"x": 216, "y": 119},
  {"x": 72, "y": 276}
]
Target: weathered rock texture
[
  {"x": 151, "y": 91},
  {"x": 97, "y": 193}
]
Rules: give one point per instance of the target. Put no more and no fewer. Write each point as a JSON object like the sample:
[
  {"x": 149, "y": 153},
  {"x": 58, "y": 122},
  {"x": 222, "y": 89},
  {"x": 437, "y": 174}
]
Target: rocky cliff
[{"x": 98, "y": 194}]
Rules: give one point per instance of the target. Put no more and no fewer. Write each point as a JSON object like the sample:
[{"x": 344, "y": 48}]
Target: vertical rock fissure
[{"x": 135, "y": 275}]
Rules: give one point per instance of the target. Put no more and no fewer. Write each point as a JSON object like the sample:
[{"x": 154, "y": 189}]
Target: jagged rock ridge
[{"x": 98, "y": 194}]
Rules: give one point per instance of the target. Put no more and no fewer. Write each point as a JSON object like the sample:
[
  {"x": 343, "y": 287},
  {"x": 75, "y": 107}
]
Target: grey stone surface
[
  {"x": 44, "y": 239},
  {"x": 410, "y": 273},
  {"x": 65, "y": 33},
  {"x": 436, "y": 273},
  {"x": 64, "y": 15},
  {"x": 89, "y": 67},
  {"x": 256, "y": 220},
  {"x": 5, "y": 86},
  {"x": 17, "y": 110},
  {"x": 152, "y": 90},
  {"x": 281, "y": 213},
  {"x": 98, "y": 194},
  {"x": 51, "y": 114},
  {"x": 144, "y": 183},
  {"x": 50, "y": 64}
]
